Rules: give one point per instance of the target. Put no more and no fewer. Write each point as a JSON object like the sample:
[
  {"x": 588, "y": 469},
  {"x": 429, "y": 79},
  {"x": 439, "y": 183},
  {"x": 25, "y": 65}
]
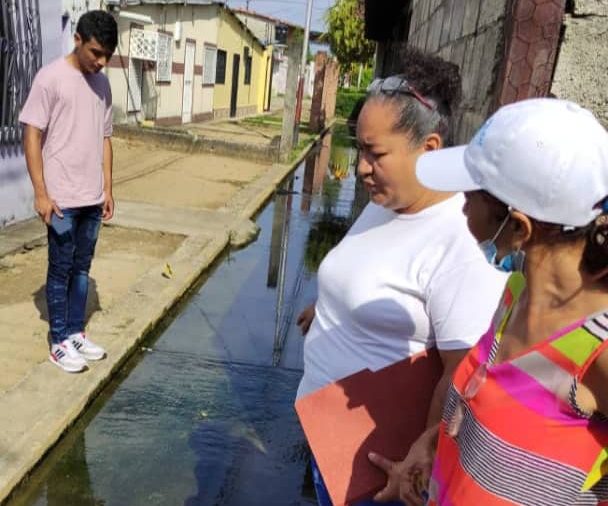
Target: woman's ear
[
  {"x": 522, "y": 228},
  {"x": 432, "y": 142}
]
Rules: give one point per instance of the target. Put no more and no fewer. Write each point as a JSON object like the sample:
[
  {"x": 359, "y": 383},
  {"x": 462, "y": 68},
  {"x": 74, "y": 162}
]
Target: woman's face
[
  {"x": 484, "y": 218},
  {"x": 480, "y": 221},
  {"x": 387, "y": 159}
]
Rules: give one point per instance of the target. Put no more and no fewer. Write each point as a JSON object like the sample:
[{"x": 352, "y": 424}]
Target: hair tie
[{"x": 600, "y": 231}]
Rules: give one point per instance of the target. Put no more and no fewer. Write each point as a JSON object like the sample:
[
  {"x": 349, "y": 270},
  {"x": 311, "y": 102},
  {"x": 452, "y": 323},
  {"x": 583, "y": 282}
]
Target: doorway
[
  {"x": 236, "y": 62},
  {"x": 188, "y": 82}
]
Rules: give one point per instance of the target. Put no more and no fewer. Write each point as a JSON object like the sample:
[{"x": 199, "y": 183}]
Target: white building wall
[
  {"x": 72, "y": 10},
  {"x": 164, "y": 100},
  {"x": 279, "y": 76},
  {"x": 16, "y": 193}
]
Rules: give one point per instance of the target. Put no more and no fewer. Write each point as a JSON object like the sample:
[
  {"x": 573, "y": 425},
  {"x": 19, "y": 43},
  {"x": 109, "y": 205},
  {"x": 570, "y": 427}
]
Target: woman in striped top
[{"x": 525, "y": 418}]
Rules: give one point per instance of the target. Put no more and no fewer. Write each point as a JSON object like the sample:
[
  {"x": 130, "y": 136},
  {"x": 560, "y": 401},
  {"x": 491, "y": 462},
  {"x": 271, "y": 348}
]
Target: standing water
[{"x": 204, "y": 414}]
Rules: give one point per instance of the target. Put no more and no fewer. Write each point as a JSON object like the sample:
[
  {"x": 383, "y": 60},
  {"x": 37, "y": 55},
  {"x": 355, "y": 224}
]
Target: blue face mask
[{"x": 514, "y": 261}]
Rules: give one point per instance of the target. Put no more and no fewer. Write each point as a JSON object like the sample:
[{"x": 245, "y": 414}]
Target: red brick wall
[
  {"x": 323, "y": 106},
  {"x": 316, "y": 108},
  {"x": 533, "y": 31}
]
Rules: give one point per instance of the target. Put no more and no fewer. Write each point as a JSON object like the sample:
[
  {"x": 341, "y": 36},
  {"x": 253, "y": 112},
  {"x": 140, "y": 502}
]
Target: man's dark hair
[
  {"x": 100, "y": 25},
  {"x": 438, "y": 81}
]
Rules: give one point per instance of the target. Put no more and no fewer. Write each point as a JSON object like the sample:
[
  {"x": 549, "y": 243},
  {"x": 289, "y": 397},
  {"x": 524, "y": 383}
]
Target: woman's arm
[
  {"x": 305, "y": 319},
  {"x": 593, "y": 396},
  {"x": 450, "y": 360}
]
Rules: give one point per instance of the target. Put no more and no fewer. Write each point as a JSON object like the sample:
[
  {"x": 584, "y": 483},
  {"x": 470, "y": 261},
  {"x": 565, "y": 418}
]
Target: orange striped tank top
[{"x": 512, "y": 432}]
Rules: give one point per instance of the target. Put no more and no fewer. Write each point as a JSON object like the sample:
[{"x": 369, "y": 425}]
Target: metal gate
[
  {"x": 20, "y": 59},
  {"x": 136, "y": 77}
]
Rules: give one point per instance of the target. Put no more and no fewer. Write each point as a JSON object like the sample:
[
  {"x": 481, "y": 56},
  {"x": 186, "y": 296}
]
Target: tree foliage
[{"x": 346, "y": 33}]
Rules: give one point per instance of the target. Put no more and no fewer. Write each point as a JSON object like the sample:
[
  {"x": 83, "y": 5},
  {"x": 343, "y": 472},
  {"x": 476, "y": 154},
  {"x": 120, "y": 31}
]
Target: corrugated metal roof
[{"x": 314, "y": 35}]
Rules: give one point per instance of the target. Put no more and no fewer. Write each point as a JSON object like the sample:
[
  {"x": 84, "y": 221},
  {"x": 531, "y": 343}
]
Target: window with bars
[
  {"x": 209, "y": 64},
  {"x": 220, "y": 67},
  {"x": 248, "y": 61},
  {"x": 20, "y": 59},
  {"x": 144, "y": 44},
  {"x": 164, "y": 58}
]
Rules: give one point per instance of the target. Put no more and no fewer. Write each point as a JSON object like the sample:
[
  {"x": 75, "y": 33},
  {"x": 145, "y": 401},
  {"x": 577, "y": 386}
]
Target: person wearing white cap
[
  {"x": 525, "y": 419},
  {"x": 408, "y": 276}
]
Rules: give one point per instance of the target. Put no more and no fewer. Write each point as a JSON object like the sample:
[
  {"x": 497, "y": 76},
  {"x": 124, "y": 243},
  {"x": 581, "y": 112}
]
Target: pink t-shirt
[{"x": 74, "y": 110}]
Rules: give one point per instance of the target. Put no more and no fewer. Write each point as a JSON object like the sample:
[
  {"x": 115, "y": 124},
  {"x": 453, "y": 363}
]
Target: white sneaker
[
  {"x": 65, "y": 356},
  {"x": 87, "y": 348}
]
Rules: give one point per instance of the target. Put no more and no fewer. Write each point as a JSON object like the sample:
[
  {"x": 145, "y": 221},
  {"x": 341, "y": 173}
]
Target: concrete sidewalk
[
  {"x": 172, "y": 208},
  {"x": 256, "y": 138}
]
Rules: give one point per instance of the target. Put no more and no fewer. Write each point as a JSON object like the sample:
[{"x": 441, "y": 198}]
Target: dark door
[{"x": 235, "y": 84}]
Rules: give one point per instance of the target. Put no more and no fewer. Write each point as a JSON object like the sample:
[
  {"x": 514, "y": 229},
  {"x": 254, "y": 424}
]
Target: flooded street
[{"x": 203, "y": 415}]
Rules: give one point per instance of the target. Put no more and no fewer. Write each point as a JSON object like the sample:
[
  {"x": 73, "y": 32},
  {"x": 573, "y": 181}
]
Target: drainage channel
[{"x": 204, "y": 414}]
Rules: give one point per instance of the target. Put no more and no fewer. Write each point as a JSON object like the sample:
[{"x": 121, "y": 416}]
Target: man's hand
[
  {"x": 407, "y": 480},
  {"x": 108, "y": 208},
  {"x": 45, "y": 207},
  {"x": 305, "y": 319}
]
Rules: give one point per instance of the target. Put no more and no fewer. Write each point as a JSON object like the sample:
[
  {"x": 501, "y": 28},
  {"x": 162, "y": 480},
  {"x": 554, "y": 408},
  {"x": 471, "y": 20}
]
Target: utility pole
[
  {"x": 300, "y": 97},
  {"x": 306, "y": 34},
  {"x": 288, "y": 134}
]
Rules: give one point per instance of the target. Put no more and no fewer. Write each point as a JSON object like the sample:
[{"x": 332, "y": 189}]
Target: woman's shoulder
[{"x": 372, "y": 216}]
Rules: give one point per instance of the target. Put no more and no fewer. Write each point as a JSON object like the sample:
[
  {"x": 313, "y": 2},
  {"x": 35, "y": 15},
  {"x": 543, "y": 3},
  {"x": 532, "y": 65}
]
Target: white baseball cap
[{"x": 544, "y": 157}]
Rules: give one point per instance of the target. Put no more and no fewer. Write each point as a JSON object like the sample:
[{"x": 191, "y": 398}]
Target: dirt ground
[
  {"x": 143, "y": 173},
  {"x": 160, "y": 177},
  {"x": 122, "y": 256}
]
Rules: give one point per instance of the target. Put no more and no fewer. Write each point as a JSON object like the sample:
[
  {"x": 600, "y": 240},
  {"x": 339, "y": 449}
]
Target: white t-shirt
[{"x": 396, "y": 285}]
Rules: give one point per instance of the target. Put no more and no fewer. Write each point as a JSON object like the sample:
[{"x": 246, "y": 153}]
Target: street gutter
[{"x": 34, "y": 416}]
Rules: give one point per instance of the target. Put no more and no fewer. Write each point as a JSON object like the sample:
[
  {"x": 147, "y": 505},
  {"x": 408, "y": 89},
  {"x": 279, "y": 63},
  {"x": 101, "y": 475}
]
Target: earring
[{"x": 519, "y": 259}]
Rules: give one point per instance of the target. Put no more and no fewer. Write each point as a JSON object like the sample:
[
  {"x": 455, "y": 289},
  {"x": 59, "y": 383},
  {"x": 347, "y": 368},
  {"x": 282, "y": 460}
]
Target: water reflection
[
  {"x": 207, "y": 417},
  {"x": 72, "y": 468}
]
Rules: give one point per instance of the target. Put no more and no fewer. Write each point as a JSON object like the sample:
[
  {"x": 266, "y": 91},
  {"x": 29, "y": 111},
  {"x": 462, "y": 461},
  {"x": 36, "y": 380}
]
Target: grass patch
[
  {"x": 264, "y": 120},
  {"x": 304, "y": 139},
  {"x": 349, "y": 103}
]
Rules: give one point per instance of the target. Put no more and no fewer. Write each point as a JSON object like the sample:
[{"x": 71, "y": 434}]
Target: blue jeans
[
  {"x": 323, "y": 498},
  {"x": 71, "y": 243}
]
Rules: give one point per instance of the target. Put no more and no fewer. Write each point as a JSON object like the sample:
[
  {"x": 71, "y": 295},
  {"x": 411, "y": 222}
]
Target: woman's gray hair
[
  {"x": 415, "y": 118},
  {"x": 425, "y": 100}
]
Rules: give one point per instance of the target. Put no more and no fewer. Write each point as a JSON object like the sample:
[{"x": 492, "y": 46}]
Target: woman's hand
[
  {"x": 409, "y": 479},
  {"x": 397, "y": 477},
  {"x": 305, "y": 319}
]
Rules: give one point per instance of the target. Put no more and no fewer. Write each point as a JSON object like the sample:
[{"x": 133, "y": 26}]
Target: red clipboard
[{"x": 383, "y": 411}]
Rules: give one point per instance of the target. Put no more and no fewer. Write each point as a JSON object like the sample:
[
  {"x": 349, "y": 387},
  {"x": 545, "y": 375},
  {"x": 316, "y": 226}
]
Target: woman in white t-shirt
[{"x": 408, "y": 276}]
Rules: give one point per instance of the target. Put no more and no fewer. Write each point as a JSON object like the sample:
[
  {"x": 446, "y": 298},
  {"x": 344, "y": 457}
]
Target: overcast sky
[{"x": 289, "y": 10}]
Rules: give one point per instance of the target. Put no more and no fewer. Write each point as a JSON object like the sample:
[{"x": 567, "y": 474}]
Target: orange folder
[{"x": 383, "y": 411}]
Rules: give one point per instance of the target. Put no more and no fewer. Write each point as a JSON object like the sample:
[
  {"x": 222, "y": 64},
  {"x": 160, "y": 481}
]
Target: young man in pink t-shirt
[{"x": 68, "y": 125}]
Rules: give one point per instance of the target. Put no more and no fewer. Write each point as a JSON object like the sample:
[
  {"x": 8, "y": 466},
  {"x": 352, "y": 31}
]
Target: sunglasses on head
[{"x": 395, "y": 84}]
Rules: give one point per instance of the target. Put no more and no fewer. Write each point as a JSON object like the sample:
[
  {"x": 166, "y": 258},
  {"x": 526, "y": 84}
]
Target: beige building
[{"x": 171, "y": 66}]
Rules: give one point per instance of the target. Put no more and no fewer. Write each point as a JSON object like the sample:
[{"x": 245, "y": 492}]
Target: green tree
[{"x": 346, "y": 33}]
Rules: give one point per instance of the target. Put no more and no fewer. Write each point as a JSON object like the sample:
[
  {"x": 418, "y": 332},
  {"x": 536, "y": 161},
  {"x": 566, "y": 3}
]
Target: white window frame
[
  {"x": 209, "y": 64},
  {"x": 164, "y": 62}
]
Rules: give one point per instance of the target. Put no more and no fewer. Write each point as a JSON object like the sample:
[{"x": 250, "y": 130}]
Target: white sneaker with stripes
[
  {"x": 87, "y": 348},
  {"x": 64, "y": 355}
]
